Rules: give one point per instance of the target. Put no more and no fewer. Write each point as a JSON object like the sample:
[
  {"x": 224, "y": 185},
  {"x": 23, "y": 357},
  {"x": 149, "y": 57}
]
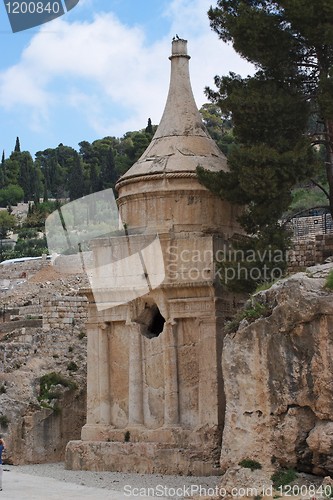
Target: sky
[{"x": 102, "y": 69}]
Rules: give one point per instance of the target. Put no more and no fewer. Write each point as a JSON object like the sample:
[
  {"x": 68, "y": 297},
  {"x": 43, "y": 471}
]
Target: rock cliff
[
  {"x": 278, "y": 378},
  {"x": 42, "y": 361}
]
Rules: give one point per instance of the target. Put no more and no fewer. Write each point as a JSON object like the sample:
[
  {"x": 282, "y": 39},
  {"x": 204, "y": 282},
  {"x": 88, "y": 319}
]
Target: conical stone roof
[{"x": 181, "y": 142}]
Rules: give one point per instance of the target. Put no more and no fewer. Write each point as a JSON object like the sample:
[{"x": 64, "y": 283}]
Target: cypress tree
[
  {"x": 108, "y": 174},
  {"x": 76, "y": 179},
  {"x": 17, "y": 148},
  {"x": 149, "y": 128}
]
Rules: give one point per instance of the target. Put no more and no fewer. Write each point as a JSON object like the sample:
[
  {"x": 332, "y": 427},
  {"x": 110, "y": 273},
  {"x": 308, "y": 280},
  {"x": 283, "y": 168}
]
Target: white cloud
[{"x": 114, "y": 61}]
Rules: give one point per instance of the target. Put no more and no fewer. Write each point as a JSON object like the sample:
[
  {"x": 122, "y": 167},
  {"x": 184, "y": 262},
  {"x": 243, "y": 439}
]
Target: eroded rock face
[
  {"x": 36, "y": 429},
  {"x": 278, "y": 379}
]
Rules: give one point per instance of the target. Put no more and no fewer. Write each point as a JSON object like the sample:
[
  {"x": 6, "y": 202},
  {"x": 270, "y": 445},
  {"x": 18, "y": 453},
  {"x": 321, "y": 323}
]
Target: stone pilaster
[
  {"x": 209, "y": 372},
  {"x": 171, "y": 389},
  {"x": 135, "y": 398},
  {"x": 104, "y": 374},
  {"x": 93, "y": 374}
]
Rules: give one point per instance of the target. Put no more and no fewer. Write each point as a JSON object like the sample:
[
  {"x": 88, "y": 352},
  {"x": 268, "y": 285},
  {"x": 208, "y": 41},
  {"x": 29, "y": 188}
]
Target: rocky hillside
[
  {"x": 277, "y": 368},
  {"x": 42, "y": 369}
]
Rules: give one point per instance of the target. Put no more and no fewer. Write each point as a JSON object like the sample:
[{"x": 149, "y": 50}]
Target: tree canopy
[
  {"x": 63, "y": 172},
  {"x": 283, "y": 114},
  {"x": 7, "y": 222}
]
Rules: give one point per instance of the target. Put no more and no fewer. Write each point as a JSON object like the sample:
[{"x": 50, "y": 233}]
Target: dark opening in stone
[
  {"x": 152, "y": 322},
  {"x": 157, "y": 323}
]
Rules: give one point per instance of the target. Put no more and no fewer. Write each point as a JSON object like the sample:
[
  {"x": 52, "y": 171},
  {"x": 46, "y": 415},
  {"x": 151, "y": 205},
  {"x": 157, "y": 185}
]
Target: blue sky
[{"x": 101, "y": 69}]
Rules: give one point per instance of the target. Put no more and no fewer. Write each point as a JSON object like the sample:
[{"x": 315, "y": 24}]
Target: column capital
[
  {"x": 171, "y": 322},
  {"x": 103, "y": 325}
]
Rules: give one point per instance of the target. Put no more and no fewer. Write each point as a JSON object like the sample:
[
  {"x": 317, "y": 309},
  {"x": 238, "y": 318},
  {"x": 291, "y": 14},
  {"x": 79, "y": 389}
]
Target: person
[{"x": 2, "y": 447}]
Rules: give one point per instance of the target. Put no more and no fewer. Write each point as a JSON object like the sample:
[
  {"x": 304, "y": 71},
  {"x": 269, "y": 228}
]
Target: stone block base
[{"x": 143, "y": 458}]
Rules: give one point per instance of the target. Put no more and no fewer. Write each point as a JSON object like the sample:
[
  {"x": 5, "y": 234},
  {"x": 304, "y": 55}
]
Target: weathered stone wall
[
  {"x": 324, "y": 247},
  {"x": 31, "y": 312},
  {"x": 41, "y": 436},
  {"x": 64, "y": 312},
  {"x": 278, "y": 379},
  {"x": 18, "y": 346},
  {"x": 311, "y": 226},
  {"x": 21, "y": 270},
  {"x": 309, "y": 252}
]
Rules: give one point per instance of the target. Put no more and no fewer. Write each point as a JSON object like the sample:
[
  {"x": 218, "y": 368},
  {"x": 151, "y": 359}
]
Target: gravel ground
[{"x": 161, "y": 486}]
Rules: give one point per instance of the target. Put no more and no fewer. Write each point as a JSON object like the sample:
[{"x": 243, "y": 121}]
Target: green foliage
[
  {"x": 7, "y": 223},
  {"x": 72, "y": 366},
  {"x": 76, "y": 179},
  {"x": 11, "y": 195},
  {"x": 248, "y": 463},
  {"x": 251, "y": 261},
  {"x": 108, "y": 175},
  {"x": 34, "y": 247},
  {"x": 127, "y": 436},
  {"x": 27, "y": 175},
  {"x": 63, "y": 172},
  {"x": 253, "y": 310},
  {"x": 219, "y": 127},
  {"x": 256, "y": 311},
  {"x": 305, "y": 198},
  {"x": 17, "y": 148},
  {"x": 264, "y": 286},
  {"x": 38, "y": 214},
  {"x": 27, "y": 233},
  {"x": 329, "y": 281},
  {"x": 4, "y": 421},
  {"x": 49, "y": 380},
  {"x": 281, "y": 112},
  {"x": 283, "y": 477}
]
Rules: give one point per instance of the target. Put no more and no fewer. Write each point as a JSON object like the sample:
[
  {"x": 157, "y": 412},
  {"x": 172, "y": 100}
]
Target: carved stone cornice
[{"x": 156, "y": 176}]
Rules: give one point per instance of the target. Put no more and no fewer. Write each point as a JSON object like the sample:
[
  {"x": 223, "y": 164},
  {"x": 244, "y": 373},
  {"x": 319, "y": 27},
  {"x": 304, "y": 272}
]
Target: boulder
[{"x": 278, "y": 379}]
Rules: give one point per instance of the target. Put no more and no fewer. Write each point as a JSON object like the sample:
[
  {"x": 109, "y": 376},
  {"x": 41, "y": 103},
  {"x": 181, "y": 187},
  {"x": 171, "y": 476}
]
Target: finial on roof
[{"x": 179, "y": 47}]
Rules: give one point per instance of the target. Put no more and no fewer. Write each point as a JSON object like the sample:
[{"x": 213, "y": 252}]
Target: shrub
[
  {"x": 329, "y": 281},
  {"x": 283, "y": 477},
  {"x": 248, "y": 463},
  {"x": 11, "y": 195},
  {"x": 4, "y": 421},
  {"x": 127, "y": 436},
  {"x": 7, "y": 223},
  {"x": 255, "y": 311},
  {"x": 252, "y": 311},
  {"x": 27, "y": 233},
  {"x": 51, "y": 379},
  {"x": 3, "y": 389},
  {"x": 72, "y": 366}
]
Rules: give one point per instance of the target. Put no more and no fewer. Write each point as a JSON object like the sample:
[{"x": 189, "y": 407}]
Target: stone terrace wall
[
  {"x": 21, "y": 270},
  {"x": 306, "y": 253},
  {"x": 26, "y": 343},
  {"x": 65, "y": 311}
]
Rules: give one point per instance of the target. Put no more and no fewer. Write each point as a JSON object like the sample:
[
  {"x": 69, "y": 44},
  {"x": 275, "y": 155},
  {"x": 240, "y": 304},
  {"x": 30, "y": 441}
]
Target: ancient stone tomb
[{"x": 155, "y": 388}]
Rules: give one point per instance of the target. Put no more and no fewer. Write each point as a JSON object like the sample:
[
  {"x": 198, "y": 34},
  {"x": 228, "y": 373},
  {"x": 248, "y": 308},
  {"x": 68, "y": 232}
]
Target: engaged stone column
[
  {"x": 171, "y": 396},
  {"x": 92, "y": 374},
  {"x": 104, "y": 375},
  {"x": 135, "y": 397},
  {"x": 210, "y": 372}
]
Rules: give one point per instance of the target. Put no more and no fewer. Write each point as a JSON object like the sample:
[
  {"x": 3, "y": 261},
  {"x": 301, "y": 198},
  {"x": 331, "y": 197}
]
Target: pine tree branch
[{"x": 321, "y": 187}]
